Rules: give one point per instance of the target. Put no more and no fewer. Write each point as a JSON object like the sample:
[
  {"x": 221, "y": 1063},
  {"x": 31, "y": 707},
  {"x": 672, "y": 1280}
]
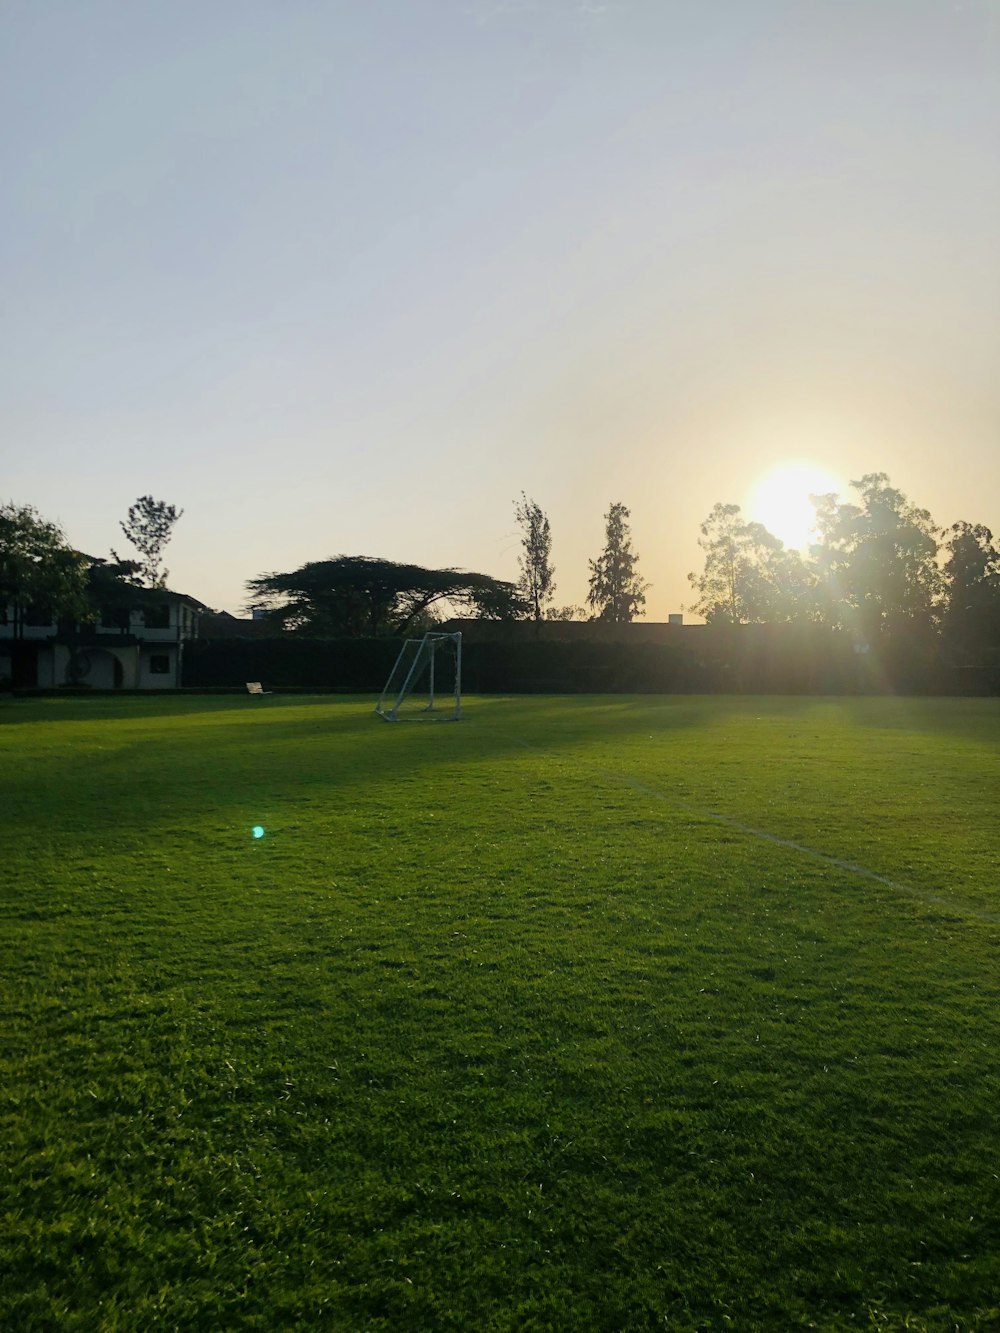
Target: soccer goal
[{"x": 427, "y": 672}]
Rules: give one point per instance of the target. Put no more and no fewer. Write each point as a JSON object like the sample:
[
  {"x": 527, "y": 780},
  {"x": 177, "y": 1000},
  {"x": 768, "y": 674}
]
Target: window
[
  {"x": 114, "y": 617},
  {"x": 38, "y": 616},
  {"x": 159, "y": 665},
  {"x": 157, "y": 617}
]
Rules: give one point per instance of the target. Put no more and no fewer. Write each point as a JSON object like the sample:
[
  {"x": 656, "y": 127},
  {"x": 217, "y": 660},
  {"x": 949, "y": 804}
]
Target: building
[
  {"x": 221, "y": 625},
  {"x": 129, "y": 647}
]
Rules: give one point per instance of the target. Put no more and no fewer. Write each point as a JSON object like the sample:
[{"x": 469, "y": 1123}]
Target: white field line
[{"x": 955, "y": 907}]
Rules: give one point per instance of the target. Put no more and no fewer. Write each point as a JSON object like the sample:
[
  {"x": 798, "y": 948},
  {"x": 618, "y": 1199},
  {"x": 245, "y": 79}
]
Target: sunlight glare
[{"x": 780, "y": 500}]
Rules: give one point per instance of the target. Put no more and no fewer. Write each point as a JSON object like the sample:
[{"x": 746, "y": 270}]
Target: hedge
[{"x": 797, "y": 661}]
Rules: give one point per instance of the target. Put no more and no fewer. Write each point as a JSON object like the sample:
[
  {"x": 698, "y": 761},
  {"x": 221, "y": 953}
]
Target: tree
[
  {"x": 537, "y": 581},
  {"x": 971, "y": 619},
  {"x": 877, "y": 561},
  {"x": 355, "y": 596},
  {"x": 616, "y": 591},
  {"x": 114, "y": 590},
  {"x": 38, "y": 568},
  {"x": 149, "y": 529},
  {"x": 749, "y": 576}
]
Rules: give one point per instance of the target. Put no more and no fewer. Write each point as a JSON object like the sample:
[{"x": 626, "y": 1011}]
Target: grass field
[{"x": 584, "y": 1014}]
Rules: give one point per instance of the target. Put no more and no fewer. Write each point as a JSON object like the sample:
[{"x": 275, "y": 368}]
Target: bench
[{"x": 255, "y": 687}]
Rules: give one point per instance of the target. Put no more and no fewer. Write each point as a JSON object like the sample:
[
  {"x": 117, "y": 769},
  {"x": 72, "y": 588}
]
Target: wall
[{"x": 154, "y": 680}]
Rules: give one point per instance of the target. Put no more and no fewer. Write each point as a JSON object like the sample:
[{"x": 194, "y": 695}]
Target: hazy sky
[{"x": 346, "y": 277}]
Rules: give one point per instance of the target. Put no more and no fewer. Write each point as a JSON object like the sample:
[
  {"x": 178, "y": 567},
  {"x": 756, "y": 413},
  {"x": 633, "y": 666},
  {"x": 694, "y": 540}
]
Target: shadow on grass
[
  {"x": 254, "y": 753},
  {"x": 109, "y": 708},
  {"x": 975, "y": 719},
  {"x": 248, "y": 757}
]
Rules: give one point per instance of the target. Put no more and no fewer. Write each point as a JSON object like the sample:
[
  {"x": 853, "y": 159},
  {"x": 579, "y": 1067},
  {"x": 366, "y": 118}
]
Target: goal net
[{"x": 426, "y": 681}]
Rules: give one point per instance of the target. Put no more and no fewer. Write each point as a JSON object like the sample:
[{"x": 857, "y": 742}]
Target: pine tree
[{"x": 616, "y": 592}]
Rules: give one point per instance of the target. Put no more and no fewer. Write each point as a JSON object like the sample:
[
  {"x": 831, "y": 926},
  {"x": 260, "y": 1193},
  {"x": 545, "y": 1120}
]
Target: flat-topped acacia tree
[{"x": 353, "y": 596}]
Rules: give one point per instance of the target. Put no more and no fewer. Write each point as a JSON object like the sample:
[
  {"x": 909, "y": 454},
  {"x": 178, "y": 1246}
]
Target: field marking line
[{"x": 958, "y": 908}]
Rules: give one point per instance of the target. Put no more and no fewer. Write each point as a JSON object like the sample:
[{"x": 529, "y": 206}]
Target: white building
[{"x": 135, "y": 649}]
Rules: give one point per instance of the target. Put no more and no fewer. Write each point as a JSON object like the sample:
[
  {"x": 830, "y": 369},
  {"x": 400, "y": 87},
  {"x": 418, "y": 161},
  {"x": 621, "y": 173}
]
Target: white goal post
[{"x": 422, "y": 665}]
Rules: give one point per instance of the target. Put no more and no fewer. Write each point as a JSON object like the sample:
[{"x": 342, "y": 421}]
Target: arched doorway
[{"x": 97, "y": 668}]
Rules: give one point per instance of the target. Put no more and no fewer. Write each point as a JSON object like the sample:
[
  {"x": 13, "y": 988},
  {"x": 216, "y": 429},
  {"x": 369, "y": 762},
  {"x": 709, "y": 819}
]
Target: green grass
[{"x": 512, "y": 1025}]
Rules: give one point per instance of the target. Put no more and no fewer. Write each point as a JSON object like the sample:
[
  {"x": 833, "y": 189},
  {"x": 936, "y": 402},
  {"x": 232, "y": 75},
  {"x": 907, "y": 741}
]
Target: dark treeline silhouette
[
  {"x": 884, "y": 592},
  {"x": 354, "y": 596},
  {"x": 881, "y": 570}
]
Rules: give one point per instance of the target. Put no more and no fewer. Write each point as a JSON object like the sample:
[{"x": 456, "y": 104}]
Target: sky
[{"x": 348, "y": 276}]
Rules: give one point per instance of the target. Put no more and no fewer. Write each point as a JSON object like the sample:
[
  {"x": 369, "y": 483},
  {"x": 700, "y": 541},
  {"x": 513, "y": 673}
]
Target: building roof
[{"x": 221, "y": 625}]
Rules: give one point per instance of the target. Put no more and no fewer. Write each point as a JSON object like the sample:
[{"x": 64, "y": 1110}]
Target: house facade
[{"x": 129, "y": 648}]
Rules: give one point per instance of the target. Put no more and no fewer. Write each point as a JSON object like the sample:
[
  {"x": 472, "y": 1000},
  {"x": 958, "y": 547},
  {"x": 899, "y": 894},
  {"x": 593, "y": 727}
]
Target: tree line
[
  {"x": 40, "y": 570},
  {"x": 359, "y": 595},
  {"x": 880, "y": 566},
  {"x": 351, "y": 596}
]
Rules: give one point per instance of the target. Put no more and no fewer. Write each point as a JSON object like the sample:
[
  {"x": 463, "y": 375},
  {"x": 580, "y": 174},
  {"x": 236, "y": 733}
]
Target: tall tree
[
  {"x": 749, "y": 576},
  {"x": 971, "y": 619},
  {"x": 537, "y": 581},
  {"x": 616, "y": 590},
  {"x": 149, "y": 528},
  {"x": 37, "y": 566},
  {"x": 877, "y": 560},
  {"x": 355, "y": 596}
]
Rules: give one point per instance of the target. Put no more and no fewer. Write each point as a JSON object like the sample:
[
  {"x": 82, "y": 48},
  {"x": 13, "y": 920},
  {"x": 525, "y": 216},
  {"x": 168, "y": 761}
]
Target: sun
[{"x": 780, "y": 500}]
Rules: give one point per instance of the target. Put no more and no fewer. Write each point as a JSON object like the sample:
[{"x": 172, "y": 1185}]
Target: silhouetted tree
[
  {"x": 972, "y": 593},
  {"x": 356, "y": 596},
  {"x": 876, "y": 561},
  {"x": 749, "y": 577},
  {"x": 149, "y": 527},
  {"x": 114, "y": 590},
  {"x": 38, "y": 568},
  {"x": 537, "y": 581},
  {"x": 616, "y": 591}
]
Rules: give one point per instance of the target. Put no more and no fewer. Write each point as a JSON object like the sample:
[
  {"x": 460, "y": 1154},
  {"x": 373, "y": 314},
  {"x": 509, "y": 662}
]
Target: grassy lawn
[{"x": 585, "y": 1014}]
